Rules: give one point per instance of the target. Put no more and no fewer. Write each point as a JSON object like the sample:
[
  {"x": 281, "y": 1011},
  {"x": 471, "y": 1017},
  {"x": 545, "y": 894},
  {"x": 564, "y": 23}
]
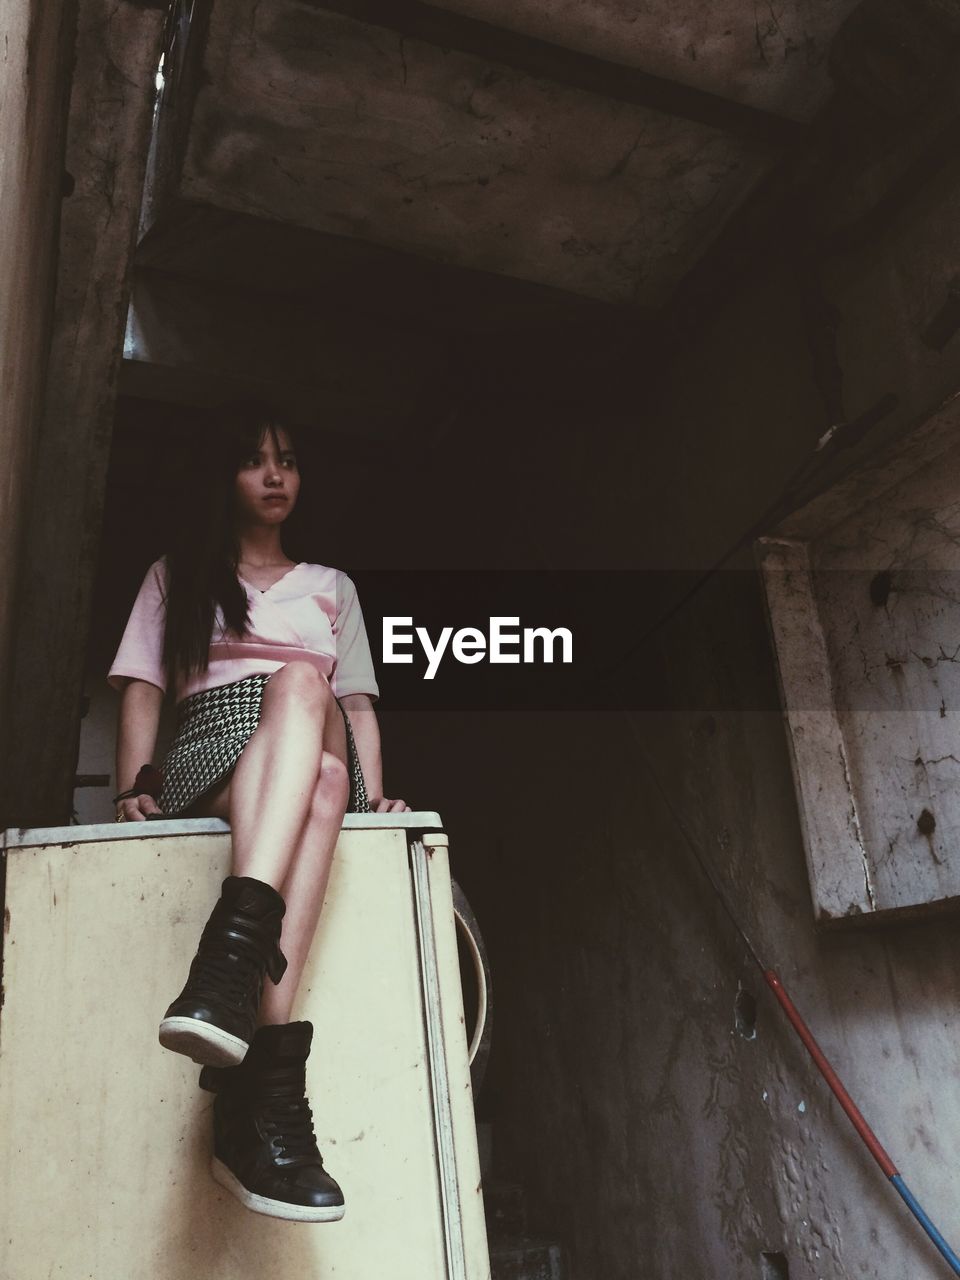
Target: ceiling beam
[{"x": 415, "y": 20}]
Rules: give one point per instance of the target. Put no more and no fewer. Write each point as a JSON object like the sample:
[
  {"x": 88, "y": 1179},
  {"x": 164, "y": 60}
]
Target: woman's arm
[
  {"x": 366, "y": 734},
  {"x": 139, "y": 720}
]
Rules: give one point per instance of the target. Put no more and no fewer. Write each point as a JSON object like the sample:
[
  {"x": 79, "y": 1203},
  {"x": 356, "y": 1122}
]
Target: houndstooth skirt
[{"x": 213, "y": 727}]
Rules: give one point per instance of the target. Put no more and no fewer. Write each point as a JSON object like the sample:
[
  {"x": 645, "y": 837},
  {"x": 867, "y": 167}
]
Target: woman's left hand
[{"x": 383, "y": 805}]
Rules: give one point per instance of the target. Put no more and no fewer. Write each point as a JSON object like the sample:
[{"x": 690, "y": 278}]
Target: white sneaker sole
[
  {"x": 273, "y": 1208},
  {"x": 206, "y": 1044}
]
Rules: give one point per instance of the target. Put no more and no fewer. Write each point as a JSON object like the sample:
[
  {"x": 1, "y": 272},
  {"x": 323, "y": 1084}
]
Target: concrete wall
[
  {"x": 653, "y": 1137},
  {"x": 32, "y": 88},
  {"x": 114, "y": 50}
]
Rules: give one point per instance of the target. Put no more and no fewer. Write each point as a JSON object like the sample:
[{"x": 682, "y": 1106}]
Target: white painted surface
[
  {"x": 108, "y": 1136},
  {"x": 833, "y": 841},
  {"x": 97, "y": 833}
]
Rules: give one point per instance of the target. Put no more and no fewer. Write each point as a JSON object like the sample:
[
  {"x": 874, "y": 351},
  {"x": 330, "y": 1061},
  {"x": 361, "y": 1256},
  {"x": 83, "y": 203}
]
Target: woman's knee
[{"x": 300, "y": 682}]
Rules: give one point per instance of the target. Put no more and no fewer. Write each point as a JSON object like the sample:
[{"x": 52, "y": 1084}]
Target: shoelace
[
  {"x": 224, "y": 977},
  {"x": 290, "y": 1124},
  {"x": 287, "y": 1116}
]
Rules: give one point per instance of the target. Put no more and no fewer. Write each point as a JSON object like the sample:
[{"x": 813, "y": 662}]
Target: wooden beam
[
  {"x": 108, "y": 131},
  {"x": 543, "y": 60}
]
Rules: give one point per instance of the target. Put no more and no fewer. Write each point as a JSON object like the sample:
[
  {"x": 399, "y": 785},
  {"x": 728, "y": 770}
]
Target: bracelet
[{"x": 148, "y": 782}]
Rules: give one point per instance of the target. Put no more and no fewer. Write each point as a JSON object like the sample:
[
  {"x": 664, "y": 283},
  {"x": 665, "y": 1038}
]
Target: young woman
[{"x": 270, "y": 666}]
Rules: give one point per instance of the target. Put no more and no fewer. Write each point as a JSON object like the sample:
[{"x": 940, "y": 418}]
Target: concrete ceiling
[
  {"x": 485, "y": 195},
  {"x": 322, "y": 120},
  {"x": 768, "y": 55}
]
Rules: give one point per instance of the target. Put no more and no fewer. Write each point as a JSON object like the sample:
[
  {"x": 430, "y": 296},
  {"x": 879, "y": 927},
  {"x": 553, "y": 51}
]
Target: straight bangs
[{"x": 204, "y": 551}]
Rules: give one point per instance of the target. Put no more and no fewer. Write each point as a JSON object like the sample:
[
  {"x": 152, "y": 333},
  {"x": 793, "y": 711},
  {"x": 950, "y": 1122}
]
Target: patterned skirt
[{"x": 213, "y": 727}]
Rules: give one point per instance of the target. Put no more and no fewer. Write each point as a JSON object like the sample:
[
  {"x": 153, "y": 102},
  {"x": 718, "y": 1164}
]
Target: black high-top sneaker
[
  {"x": 264, "y": 1148},
  {"x": 215, "y": 1014}
]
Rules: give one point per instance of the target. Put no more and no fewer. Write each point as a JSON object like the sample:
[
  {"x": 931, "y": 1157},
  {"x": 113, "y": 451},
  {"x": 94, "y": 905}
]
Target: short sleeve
[
  {"x": 353, "y": 669},
  {"x": 140, "y": 656}
]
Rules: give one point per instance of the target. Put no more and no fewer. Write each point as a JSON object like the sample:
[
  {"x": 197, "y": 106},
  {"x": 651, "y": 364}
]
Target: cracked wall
[
  {"x": 887, "y": 600},
  {"x": 653, "y": 1138}
]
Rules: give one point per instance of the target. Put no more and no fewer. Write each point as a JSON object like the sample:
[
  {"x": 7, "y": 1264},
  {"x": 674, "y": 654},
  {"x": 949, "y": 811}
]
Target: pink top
[{"x": 311, "y": 614}]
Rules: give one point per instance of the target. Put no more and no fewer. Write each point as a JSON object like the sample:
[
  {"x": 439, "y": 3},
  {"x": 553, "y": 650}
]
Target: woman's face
[{"x": 268, "y": 482}]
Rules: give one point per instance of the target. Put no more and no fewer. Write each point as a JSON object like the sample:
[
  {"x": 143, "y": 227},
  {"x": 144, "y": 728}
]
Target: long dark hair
[{"x": 204, "y": 550}]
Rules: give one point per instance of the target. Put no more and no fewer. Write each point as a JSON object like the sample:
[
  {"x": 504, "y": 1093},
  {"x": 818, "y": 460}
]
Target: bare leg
[
  {"x": 306, "y": 884},
  {"x": 270, "y": 793},
  {"x": 285, "y": 802}
]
